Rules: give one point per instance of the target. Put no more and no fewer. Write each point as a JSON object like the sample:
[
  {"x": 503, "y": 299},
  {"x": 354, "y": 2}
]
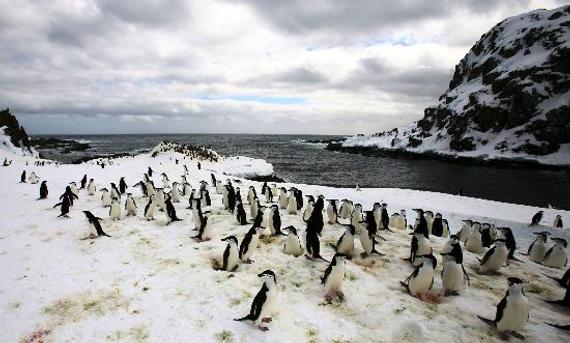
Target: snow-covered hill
[
  {"x": 509, "y": 97},
  {"x": 13, "y": 138}
]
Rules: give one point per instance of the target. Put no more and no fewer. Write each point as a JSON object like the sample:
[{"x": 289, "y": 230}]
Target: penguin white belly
[
  {"x": 292, "y": 206},
  {"x": 356, "y": 219},
  {"x": 307, "y": 213},
  {"x": 515, "y": 314},
  {"x": 283, "y": 201},
  {"x": 557, "y": 258},
  {"x": 207, "y": 234},
  {"x": 422, "y": 282},
  {"x": 474, "y": 243},
  {"x": 366, "y": 243},
  {"x": 496, "y": 260},
  {"x": 266, "y": 219},
  {"x": 424, "y": 248},
  {"x": 334, "y": 280},
  {"x": 106, "y": 200},
  {"x": 175, "y": 195},
  {"x": 267, "y": 306},
  {"x": 91, "y": 189},
  {"x": 225, "y": 200},
  {"x": 453, "y": 277},
  {"x": 537, "y": 252},
  {"x": 464, "y": 233},
  {"x": 196, "y": 219},
  {"x": 344, "y": 212},
  {"x": 267, "y": 196},
  {"x": 331, "y": 216},
  {"x": 165, "y": 184},
  {"x": 149, "y": 214},
  {"x": 429, "y": 224},
  {"x": 114, "y": 193},
  {"x": 115, "y": 211},
  {"x": 346, "y": 246},
  {"x": 131, "y": 209},
  {"x": 233, "y": 258},
  {"x": 251, "y": 249},
  {"x": 445, "y": 233},
  {"x": 253, "y": 210},
  {"x": 250, "y": 197},
  {"x": 293, "y": 246}
]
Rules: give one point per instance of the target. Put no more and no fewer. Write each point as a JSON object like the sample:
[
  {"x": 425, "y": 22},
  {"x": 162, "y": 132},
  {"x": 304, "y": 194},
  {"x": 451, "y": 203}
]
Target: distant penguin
[
  {"x": 421, "y": 225},
  {"x": 557, "y": 224},
  {"x": 143, "y": 186},
  {"x": 105, "y": 197},
  {"x": 274, "y": 221},
  {"x": 174, "y": 193},
  {"x": 150, "y": 208},
  {"x": 231, "y": 198},
  {"x": 150, "y": 171},
  {"x": 23, "y": 177},
  {"x": 115, "y": 191},
  {"x": 537, "y": 249},
  {"x": 95, "y": 223},
  {"x": 230, "y": 258},
  {"x": 165, "y": 181},
  {"x": 345, "y": 209},
  {"x": 398, "y": 220},
  {"x": 115, "y": 209},
  {"x": 536, "y": 218},
  {"x": 299, "y": 197},
  {"x": 254, "y": 208},
  {"x": 384, "y": 218},
  {"x": 494, "y": 258},
  {"x": 205, "y": 198},
  {"x": 454, "y": 276},
  {"x": 313, "y": 232},
  {"x": 205, "y": 228},
  {"x": 556, "y": 256},
  {"x": 69, "y": 194},
  {"x": 65, "y": 205},
  {"x": 249, "y": 244},
  {"x": 186, "y": 189},
  {"x": 43, "y": 190},
  {"x": 262, "y": 304},
  {"x": 292, "y": 202},
  {"x": 83, "y": 182},
  {"x": 437, "y": 226},
  {"x": 308, "y": 209},
  {"x": 212, "y": 177},
  {"x": 429, "y": 221},
  {"x": 130, "y": 205},
  {"x": 219, "y": 187},
  {"x": 419, "y": 246},
  {"x": 512, "y": 311},
  {"x": 465, "y": 230},
  {"x": 421, "y": 280},
  {"x": 356, "y": 216},
  {"x": 486, "y": 239},
  {"x": 333, "y": 278},
  {"x": 474, "y": 242},
  {"x": 283, "y": 198},
  {"x": 251, "y": 195},
  {"x": 293, "y": 243},
  {"x": 91, "y": 188},
  {"x": 122, "y": 186},
  {"x": 332, "y": 211},
  {"x": 268, "y": 194},
  {"x": 33, "y": 178},
  {"x": 345, "y": 243},
  {"x": 170, "y": 210},
  {"x": 508, "y": 236},
  {"x": 160, "y": 204}
]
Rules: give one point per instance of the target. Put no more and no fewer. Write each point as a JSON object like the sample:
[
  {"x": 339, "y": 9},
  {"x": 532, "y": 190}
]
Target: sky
[{"x": 234, "y": 66}]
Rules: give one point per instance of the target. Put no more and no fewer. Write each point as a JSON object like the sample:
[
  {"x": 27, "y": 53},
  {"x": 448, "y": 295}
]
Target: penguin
[
  {"x": 293, "y": 243},
  {"x": 238, "y": 196},
  {"x": 150, "y": 171},
  {"x": 429, "y": 220},
  {"x": 422, "y": 278},
  {"x": 205, "y": 198},
  {"x": 564, "y": 281},
  {"x": 556, "y": 256},
  {"x": 437, "y": 226},
  {"x": 264, "y": 188},
  {"x": 186, "y": 189},
  {"x": 23, "y": 177},
  {"x": 130, "y": 205},
  {"x": 230, "y": 259},
  {"x": 115, "y": 191},
  {"x": 251, "y": 195},
  {"x": 174, "y": 193},
  {"x": 283, "y": 198},
  {"x": 333, "y": 278},
  {"x": 91, "y": 188},
  {"x": 219, "y": 187},
  {"x": 508, "y": 236},
  {"x": 231, "y": 198},
  {"x": 557, "y": 224},
  {"x": 196, "y": 212},
  {"x": 292, "y": 202},
  {"x": 240, "y": 214},
  {"x": 69, "y": 194},
  {"x": 144, "y": 188},
  {"x": 95, "y": 223},
  {"x": 564, "y": 301},
  {"x": 150, "y": 189},
  {"x": 421, "y": 225},
  {"x": 115, "y": 209},
  {"x": 474, "y": 241},
  {"x": 43, "y": 190},
  {"x": 356, "y": 217},
  {"x": 494, "y": 258},
  {"x": 537, "y": 249},
  {"x": 150, "y": 208},
  {"x": 345, "y": 209},
  {"x": 249, "y": 244},
  {"x": 313, "y": 232},
  {"x": 398, "y": 220},
  {"x": 454, "y": 276},
  {"x": 160, "y": 204},
  {"x": 332, "y": 211},
  {"x": 561, "y": 327},
  {"x": 384, "y": 218},
  {"x": 268, "y": 194},
  {"x": 105, "y": 197},
  {"x": 254, "y": 208},
  {"x": 345, "y": 244},
  {"x": 65, "y": 206},
  {"x": 465, "y": 230},
  {"x": 420, "y": 246},
  {"x": 309, "y": 208},
  {"x": 122, "y": 185},
  {"x": 33, "y": 178},
  {"x": 170, "y": 210},
  {"x": 83, "y": 182},
  {"x": 486, "y": 240},
  {"x": 165, "y": 181},
  {"x": 262, "y": 304},
  {"x": 212, "y": 177},
  {"x": 205, "y": 228},
  {"x": 274, "y": 221},
  {"x": 536, "y": 218},
  {"x": 512, "y": 311}
]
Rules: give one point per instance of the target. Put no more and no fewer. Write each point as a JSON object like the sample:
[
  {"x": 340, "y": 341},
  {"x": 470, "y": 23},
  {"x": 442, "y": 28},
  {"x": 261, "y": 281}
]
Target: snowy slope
[
  {"x": 151, "y": 282},
  {"x": 509, "y": 97}
]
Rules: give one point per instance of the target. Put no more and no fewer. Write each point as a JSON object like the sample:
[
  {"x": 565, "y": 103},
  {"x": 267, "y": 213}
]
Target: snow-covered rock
[
  {"x": 509, "y": 97},
  {"x": 13, "y": 138},
  {"x": 245, "y": 167}
]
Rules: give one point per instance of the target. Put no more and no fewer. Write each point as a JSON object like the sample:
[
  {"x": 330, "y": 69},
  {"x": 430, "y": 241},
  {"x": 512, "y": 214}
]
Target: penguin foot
[
  {"x": 263, "y": 328},
  {"x": 517, "y": 335},
  {"x": 267, "y": 320},
  {"x": 248, "y": 261}
]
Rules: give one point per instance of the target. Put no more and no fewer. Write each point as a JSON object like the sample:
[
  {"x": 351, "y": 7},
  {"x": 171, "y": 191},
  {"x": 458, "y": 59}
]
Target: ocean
[{"x": 300, "y": 162}]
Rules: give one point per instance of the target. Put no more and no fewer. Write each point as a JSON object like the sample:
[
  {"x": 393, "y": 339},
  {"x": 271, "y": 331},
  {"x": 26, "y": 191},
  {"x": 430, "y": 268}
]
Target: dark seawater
[{"x": 312, "y": 164}]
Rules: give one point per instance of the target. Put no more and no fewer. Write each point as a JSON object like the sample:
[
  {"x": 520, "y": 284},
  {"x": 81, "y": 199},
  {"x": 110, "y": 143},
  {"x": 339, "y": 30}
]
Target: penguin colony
[{"x": 497, "y": 245}]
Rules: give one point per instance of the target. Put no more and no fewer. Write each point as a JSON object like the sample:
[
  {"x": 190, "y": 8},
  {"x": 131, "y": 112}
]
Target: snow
[
  {"x": 151, "y": 282},
  {"x": 244, "y": 167}
]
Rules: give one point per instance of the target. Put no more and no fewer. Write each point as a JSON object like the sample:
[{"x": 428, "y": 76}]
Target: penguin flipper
[
  {"x": 248, "y": 317},
  {"x": 405, "y": 285},
  {"x": 561, "y": 327},
  {"x": 332, "y": 246},
  {"x": 487, "y": 321}
]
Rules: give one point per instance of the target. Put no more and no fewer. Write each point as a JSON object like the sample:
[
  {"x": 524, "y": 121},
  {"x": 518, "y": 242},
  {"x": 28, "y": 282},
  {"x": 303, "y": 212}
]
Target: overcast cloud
[{"x": 258, "y": 66}]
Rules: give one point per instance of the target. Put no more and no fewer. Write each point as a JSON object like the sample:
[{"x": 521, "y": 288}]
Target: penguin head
[
  {"x": 403, "y": 213},
  {"x": 351, "y": 229},
  {"x": 561, "y": 241},
  {"x": 438, "y": 215},
  {"x": 376, "y": 205},
  {"x": 428, "y": 214},
  {"x": 338, "y": 257},
  {"x": 500, "y": 242},
  {"x": 468, "y": 222},
  {"x": 384, "y": 205},
  {"x": 454, "y": 239},
  {"x": 477, "y": 226},
  {"x": 231, "y": 239},
  {"x": 291, "y": 230},
  {"x": 429, "y": 258},
  {"x": 419, "y": 211},
  {"x": 268, "y": 274},
  {"x": 543, "y": 235},
  {"x": 515, "y": 284}
]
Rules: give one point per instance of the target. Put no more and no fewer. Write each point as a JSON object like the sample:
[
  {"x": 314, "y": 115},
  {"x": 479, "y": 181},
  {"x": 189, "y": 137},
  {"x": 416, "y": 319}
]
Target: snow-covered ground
[{"x": 152, "y": 282}]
